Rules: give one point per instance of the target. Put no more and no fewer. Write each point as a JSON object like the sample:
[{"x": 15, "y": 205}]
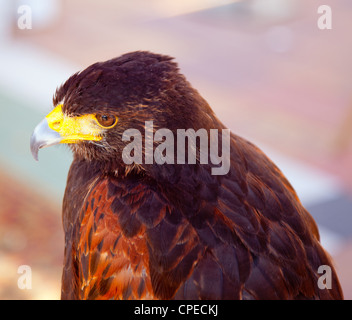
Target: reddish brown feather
[
  {"x": 176, "y": 231},
  {"x": 132, "y": 244},
  {"x": 118, "y": 265}
]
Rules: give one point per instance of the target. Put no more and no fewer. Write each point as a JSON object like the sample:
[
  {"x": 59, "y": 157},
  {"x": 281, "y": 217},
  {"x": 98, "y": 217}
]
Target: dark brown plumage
[{"x": 174, "y": 231}]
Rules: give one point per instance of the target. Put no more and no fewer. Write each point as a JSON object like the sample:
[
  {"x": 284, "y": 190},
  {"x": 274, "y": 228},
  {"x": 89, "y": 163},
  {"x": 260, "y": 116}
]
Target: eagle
[{"x": 167, "y": 229}]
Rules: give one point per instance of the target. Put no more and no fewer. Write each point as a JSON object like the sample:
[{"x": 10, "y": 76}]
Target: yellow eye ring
[{"x": 106, "y": 121}]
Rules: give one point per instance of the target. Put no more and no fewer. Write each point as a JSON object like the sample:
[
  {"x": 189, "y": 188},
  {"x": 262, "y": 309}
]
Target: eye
[{"x": 106, "y": 120}]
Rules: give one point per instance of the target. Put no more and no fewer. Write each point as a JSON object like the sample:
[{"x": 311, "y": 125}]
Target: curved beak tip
[
  {"x": 43, "y": 136},
  {"x": 34, "y": 147}
]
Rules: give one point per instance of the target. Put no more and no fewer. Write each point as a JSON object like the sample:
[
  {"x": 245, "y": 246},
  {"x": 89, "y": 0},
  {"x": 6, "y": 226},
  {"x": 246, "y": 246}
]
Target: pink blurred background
[{"x": 266, "y": 68}]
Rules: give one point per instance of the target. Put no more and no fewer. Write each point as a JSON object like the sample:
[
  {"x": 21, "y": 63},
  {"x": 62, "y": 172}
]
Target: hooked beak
[
  {"x": 57, "y": 128},
  {"x": 42, "y": 137}
]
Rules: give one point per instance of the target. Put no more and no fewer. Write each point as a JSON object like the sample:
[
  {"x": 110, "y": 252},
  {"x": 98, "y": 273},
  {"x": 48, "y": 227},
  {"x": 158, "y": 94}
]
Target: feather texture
[{"x": 177, "y": 231}]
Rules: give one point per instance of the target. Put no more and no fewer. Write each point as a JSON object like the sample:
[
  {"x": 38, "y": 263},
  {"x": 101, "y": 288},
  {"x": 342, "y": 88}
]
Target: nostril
[{"x": 56, "y": 124}]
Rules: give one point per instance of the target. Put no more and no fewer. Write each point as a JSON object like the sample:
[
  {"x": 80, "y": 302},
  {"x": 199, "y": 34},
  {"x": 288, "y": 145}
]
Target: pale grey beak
[{"x": 43, "y": 136}]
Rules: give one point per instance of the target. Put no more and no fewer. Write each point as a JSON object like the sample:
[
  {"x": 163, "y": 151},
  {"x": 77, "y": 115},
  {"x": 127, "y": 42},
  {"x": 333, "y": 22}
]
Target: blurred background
[{"x": 266, "y": 68}]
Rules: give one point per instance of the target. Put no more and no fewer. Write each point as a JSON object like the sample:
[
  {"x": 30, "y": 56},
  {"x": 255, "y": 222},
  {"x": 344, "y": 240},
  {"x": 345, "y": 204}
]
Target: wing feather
[{"x": 244, "y": 235}]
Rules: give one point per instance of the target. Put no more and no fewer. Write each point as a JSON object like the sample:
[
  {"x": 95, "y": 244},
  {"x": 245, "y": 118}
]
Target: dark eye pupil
[{"x": 106, "y": 120}]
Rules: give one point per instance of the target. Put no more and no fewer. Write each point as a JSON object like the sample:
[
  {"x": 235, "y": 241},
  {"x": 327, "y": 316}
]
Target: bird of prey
[{"x": 170, "y": 230}]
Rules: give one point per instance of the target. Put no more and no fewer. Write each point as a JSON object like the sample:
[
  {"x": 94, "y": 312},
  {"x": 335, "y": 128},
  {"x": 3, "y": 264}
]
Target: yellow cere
[{"x": 73, "y": 129}]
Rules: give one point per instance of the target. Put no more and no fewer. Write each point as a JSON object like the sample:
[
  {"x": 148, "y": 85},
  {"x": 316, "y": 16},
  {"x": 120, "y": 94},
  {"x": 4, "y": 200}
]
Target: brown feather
[{"x": 177, "y": 231}]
